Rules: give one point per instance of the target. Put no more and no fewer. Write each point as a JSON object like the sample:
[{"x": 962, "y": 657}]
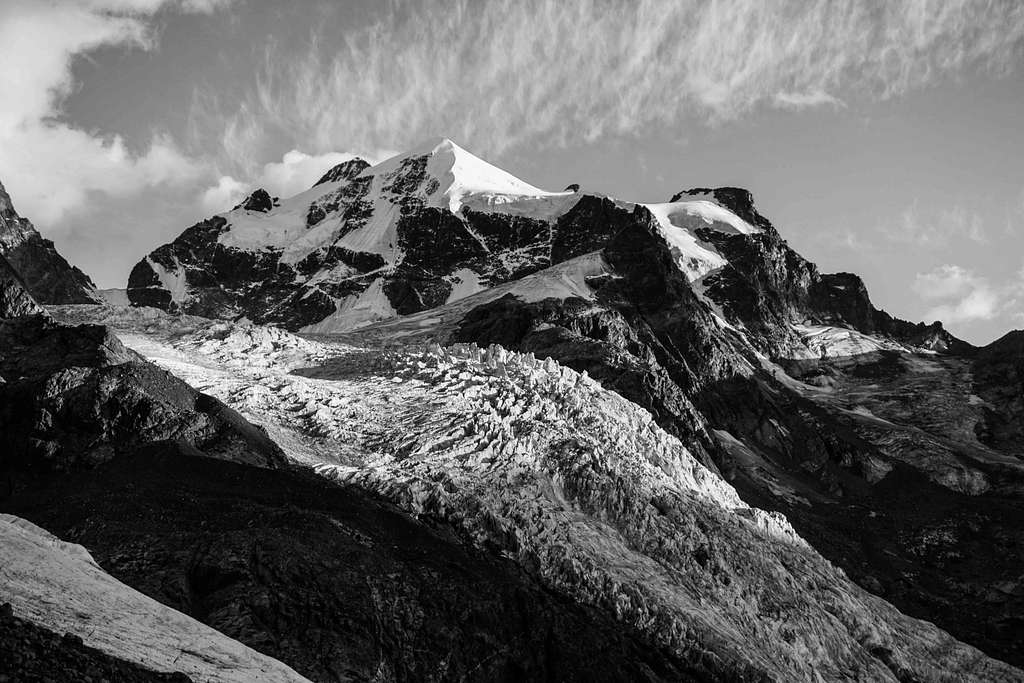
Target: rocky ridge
[{"x": 47, "y": 276}]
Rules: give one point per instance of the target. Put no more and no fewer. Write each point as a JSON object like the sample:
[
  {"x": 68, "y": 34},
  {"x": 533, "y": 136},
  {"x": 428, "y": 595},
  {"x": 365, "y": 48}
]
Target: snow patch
[
  {"x": 465, "y": 283},
  {"x": 174, "y": 281},
  {"x": 827, "y": 341},
  {"x": 356, "y": 310}
]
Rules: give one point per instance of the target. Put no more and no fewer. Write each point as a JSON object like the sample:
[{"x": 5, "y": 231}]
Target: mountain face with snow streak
[{"x": 47, "y": 276}]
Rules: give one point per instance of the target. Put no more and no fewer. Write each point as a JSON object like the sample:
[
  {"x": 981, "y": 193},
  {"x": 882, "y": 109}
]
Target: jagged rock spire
[{"x": 15, "y": 301}]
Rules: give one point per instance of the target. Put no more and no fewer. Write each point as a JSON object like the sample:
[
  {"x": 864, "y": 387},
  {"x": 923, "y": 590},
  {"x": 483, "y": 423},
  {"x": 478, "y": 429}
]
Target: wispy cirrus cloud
[
  {"x": 960, "y": 295},
  {"x": 503, "y": 73},
  {"x": 936, "y": 227}
]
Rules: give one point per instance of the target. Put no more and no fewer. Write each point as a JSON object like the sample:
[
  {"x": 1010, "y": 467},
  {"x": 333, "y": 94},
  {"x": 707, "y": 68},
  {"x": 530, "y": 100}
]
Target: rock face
[
  {"x": 15, "y": 300},
  {"x": 47, "y": 276},
  {"x": 73, "y": 396},
  {"x": 998, "y": 371}
]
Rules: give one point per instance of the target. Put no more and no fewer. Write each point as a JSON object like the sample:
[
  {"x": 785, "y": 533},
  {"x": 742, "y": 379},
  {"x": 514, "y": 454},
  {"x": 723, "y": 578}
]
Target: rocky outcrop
[
  {"x": 31, "y": 653},
  {"x": 766, "y": 286},
  {"x": 346, "y": 170},
  {"x": 15, "y": 301},
  {"x": 47, "y": 276},
  {"x": 259, "y": 201},
  {"x": 74, "y": 396},
  {"x": 998, "y": 373}
]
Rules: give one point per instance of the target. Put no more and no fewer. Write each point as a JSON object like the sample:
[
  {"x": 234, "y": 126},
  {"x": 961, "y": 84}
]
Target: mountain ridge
[{"x": 46, "y": 274}]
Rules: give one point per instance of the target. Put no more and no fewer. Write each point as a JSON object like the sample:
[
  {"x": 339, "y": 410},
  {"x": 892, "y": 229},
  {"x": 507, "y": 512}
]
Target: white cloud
[
  {"x": 944, "y": 282},
  {"x": 296, "y": 172},
  {"x": 48, "y": 166},
  {"x": 506, "y": 73},
  {"x": 805, "y": 100},
  {"x": 936, "y": 227},
  {"x": 226, "y": 193},
  {"x": 964, "y": 296}
]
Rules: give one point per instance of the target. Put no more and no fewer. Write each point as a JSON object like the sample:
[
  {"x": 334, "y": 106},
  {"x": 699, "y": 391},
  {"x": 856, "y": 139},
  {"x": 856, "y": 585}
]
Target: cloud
[
  {"x": 945, "y": 282},
  {"x": 936, "y": 227},
  {"x": 508, "y": 73},
  {"x": 805, "y": 100},
  {"x": 226, "y": 193},
  {"x": 296, "y": 172},
  {"x": 961, "y": 295},
  {"x": 50, "y": 167}
]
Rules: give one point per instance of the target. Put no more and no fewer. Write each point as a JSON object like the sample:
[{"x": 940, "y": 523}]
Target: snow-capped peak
[{"x": 461, "y": 176}]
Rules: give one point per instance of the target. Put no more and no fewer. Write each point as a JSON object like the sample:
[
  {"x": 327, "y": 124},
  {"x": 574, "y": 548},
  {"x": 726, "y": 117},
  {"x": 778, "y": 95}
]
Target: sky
[{"x": 882, "y": 138}]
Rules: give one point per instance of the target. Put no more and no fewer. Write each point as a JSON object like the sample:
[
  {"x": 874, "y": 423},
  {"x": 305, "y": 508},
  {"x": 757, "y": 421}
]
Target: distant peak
[
  {"x": 737, "y": 199},
  {"x": 346, "y": 170},
  {"x": 260, "y": 200},
  {"x": 6, "y": 207}
]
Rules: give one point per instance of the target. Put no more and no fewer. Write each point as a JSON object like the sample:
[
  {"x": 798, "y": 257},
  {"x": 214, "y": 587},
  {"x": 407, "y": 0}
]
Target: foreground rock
[
  {"x": 57, "y": 586},
  {"x": 15, "y": 301}
]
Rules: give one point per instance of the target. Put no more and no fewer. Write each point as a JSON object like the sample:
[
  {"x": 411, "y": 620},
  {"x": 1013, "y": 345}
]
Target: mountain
[
  {"x": 890, "y": 445},
  {"x": 47, "y": 276},
  {"x": 180, "y": 498},
  {"x": 554, "y": 435},
  {"x": 368, "y": 242}
]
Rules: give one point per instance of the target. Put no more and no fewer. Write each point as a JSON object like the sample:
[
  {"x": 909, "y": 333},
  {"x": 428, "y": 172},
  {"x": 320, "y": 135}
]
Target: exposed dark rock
[
  {"x": 588, "y": 226},
  {"x": 346, "y": 170},
  {"x": 999, "y": 379},
  {"x": 260, "y": 200},
  {"x": 572, "y": 187},
  {"x": 73, "y": 396},
  {"x": 47, "y": 276},
  {"x": 32, "y": 654},
  {"x": 15, "y": 300},
  {"x": 332, "y": 582},
  {"x": 736, "y": 199}
]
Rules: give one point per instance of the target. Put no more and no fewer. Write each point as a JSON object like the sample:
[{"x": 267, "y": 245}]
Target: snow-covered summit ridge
[
  {"x": 440, "y": 174},
  {"x": 462, "y": 177}
]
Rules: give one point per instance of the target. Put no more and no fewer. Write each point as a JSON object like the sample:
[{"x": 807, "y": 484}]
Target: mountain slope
[
  {"x": 47, "y": 276},
  {"x": 338, "y": 584}
]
